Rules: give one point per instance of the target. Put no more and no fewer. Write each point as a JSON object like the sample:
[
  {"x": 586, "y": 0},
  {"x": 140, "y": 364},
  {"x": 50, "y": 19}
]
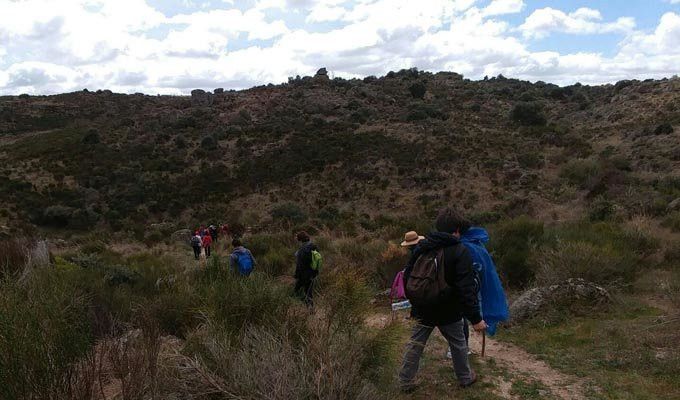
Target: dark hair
[
  {"x": 236, "y": 242},
  {"x": 302, "y": 236},
  {"x": 449, "y": 220}
]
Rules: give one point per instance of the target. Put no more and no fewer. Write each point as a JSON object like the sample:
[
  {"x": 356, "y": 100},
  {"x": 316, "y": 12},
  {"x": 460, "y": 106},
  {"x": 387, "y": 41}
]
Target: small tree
[
  {"x": 528, "y": 114},
  {"x": 417, "y": 90}
]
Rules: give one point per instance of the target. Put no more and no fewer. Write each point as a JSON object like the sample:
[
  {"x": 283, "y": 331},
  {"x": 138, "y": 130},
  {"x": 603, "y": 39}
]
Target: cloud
[
  {"x": 583, "y": 21},
  {"x": 128, "y": 46}
]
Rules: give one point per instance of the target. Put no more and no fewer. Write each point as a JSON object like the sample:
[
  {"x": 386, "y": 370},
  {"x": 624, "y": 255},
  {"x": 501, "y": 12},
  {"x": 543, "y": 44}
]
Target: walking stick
[{"x": 483, "y": 342}]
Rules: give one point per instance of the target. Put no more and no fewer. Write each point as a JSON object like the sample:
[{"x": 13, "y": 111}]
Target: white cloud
[
  {"x": 500, "y": 7},
  {"x": 128, "y": 46},
  {"x": 583, "y": 21}
]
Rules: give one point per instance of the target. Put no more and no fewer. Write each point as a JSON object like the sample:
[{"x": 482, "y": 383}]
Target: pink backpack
[{"x": 397, "y": 291}]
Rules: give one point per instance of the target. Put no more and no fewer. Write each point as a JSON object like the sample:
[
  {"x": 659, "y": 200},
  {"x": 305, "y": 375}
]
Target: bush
[
  {"x": 604, "y": 265},
  {"x": 528, "y": 114},
  {"x": 672, "y": 221},
  {"x": 601, "y": 210},
  {"x": 209, "y": 143},
  {"x": 13, "y": 258},
  {"x": 43, "y": 330},
  {"x": 663, "y": 129},
  {"x": 417, "y": 90},
  {"x": 581, "y": 172},
  {"x": 57, "y": 216},
  {"x": 288, "y": 212},
  {"x": 512, "y": 246}
]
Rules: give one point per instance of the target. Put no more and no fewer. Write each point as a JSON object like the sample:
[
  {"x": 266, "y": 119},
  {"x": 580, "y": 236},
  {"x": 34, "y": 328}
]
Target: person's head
[
  {"x": 411, "y": 239},
  {"x": 451, "y": 221},
  {"x": 196, "y": 233},
  {"x": 236, "y": 243},
  {"x": 302, "y": 236}
]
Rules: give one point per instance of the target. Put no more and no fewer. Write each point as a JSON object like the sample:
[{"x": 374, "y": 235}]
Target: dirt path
[
  {"x": 504, "y": 364},
  {"x": 517, "y": 361}
]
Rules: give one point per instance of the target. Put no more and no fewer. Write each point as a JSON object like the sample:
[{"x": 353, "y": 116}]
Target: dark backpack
[
  {"x": 196, "y": 241},
  {"x": 426, "y": 283}
]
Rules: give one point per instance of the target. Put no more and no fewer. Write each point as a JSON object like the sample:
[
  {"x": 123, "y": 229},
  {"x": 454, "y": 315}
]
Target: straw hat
[{"x": 411, "y": 238}]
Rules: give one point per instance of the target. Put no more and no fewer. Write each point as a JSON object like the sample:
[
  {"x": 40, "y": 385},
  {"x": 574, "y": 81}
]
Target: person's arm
[
  {"x": 233, "y": 259},
  {"x": 463, "y": 280},
  {"x": 252, "y": 258}
]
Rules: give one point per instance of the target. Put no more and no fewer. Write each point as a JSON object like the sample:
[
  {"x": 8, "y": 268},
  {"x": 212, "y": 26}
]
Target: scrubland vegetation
[{"x": 572, "y": 182}]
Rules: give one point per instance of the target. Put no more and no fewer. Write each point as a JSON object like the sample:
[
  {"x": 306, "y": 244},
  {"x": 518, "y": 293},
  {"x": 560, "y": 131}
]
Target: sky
[{"x": 174, "y": 46}]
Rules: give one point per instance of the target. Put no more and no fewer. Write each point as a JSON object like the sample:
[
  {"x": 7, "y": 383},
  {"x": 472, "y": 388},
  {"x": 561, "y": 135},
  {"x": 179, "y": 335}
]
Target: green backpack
[{"x": 317, "y": 260}]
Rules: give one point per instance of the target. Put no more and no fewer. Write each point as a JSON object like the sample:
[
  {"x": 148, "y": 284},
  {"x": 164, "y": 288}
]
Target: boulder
[
  {"x": 201, "y": 98},
  {"x": 531, "y": 302},
  {"x": 674, "y": 205},
  {"x": 218, "y": 91},
  {"x": 321, "y": 75}
]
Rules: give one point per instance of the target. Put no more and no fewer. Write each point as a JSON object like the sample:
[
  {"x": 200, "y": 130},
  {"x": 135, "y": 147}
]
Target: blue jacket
[{"x": 494, "y": 303}]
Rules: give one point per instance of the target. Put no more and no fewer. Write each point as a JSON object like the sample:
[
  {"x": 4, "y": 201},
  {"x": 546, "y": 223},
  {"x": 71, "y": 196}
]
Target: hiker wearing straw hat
[
  {"x": 411, "y": 240},
  {"x": 442, "y": 287}
]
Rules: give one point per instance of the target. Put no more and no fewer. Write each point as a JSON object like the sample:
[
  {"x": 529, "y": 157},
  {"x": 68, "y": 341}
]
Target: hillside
[
  {"x": 579, "y": 188},
  {"x": 341, "y": 153}
]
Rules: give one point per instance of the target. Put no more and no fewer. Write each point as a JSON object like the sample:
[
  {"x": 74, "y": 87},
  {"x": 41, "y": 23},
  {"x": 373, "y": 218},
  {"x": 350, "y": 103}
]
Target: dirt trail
[
  {"x": 515, "y": 360},
  {"x": 518, "y": 361}
]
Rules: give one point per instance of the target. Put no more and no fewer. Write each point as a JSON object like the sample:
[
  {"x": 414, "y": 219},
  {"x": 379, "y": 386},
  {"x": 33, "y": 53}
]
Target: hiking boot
[{"x": 471, "y": 382}]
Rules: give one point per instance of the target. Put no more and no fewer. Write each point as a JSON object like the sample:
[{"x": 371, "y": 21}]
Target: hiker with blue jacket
[
  {"x": 305, "y": 271},
  {"x": 442, "y": 286},
  {"x": 241, "y": 259}
]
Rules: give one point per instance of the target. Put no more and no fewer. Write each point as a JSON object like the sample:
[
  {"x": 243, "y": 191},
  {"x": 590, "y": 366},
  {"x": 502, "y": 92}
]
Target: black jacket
[
  {"x": 461, "y": 299},
  {"x": 303, "y": 262}
]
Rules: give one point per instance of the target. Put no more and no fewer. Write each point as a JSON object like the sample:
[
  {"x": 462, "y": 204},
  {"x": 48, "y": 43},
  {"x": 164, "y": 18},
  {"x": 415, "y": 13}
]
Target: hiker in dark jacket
[
  {"x": 304, "y": 274},
  {"x": 457, "y": 301}
]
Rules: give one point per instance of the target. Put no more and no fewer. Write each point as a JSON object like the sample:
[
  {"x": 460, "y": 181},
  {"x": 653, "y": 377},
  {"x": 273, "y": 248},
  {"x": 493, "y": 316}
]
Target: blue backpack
[{"x": 245, "y": 263}]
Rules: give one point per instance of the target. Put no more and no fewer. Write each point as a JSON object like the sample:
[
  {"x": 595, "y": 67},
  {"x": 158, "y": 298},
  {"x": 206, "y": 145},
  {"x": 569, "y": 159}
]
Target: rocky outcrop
[
  {"x": 201, "y": 98},
  {"x": 533, "y": 301},
  {"x": 321, "y": 75}
]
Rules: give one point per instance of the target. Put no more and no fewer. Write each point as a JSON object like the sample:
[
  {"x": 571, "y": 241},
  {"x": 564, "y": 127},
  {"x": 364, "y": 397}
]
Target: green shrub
[
  {"x": 604, "y": 265},
  {"x": 417, "y": 90},
  {"x": 43, "y": 330},
  {"x": 288, "y": 212},
  {"x": 581, "y": 172},
  {"x": 512, "y": 245},
  {"x": 528, "y": 114},
  {"x": 601, "y": 210},
  {"x": 672, "y": 221}
]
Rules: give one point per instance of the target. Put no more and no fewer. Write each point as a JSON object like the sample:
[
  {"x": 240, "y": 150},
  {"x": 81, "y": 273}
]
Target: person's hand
[{"x": 480, "y": 326}]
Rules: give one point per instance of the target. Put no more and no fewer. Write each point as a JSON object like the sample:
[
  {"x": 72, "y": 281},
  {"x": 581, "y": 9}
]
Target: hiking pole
[{"x": 483, "y": 342}]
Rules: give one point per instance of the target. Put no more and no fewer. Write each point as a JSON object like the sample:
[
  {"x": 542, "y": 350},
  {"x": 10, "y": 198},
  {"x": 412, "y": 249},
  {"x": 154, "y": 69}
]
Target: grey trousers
[{"x": 453, "y": 333}]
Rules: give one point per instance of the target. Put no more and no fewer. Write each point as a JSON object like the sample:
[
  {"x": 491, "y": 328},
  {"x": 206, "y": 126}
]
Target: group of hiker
[
  {"x": 450, "y": 279},
  {"x": 450, "y": 282},
  {"x": 308, "y": 259},
  {"x": 204, "y": 237}
]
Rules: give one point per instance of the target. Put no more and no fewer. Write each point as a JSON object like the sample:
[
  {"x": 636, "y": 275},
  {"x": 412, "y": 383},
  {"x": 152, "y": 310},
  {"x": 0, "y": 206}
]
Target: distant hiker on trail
[
  {"x": 241, "y": 259},
  {"x": 196, "y": 242},
  {"x": 442, "y": 286},
  {"x": 225, "y": 230},
  {"x": 411, "y": 240},
  {"x": 213, "y": 232},
  {"x": 307, "y": 265},
  {"x": 207, "y": 244}
]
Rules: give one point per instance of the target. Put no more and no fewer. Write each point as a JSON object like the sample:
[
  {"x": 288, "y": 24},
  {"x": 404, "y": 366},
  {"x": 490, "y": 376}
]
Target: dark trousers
[
  {"x": 197, "y": 251},
  {"x": 304, "y": 288},
  {"x": 207, "y": 251}
]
